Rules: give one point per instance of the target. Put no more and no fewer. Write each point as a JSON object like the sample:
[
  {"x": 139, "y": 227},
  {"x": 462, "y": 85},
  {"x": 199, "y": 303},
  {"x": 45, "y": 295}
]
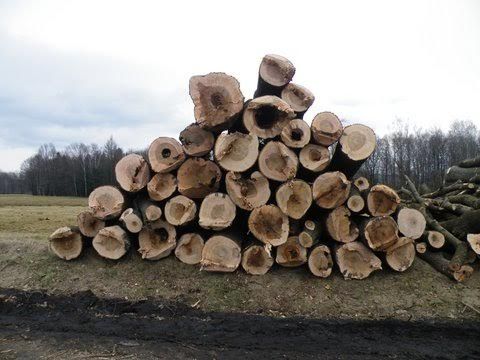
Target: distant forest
[{"x": 423, "y": 155}]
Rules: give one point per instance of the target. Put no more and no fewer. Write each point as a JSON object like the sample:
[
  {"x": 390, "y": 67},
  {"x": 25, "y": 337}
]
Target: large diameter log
[
  {"x": 310, "y": 234},
  {"x": 257, "y": 259},
  {"x": 291, "y": 253},
  {"x": 277, "y": 162},
  {"x": 247, "y": 193},
  {"x": 382, "y": 200},
  {"x": 274, "y": 74},
  {"x": 474, "y": 241},
  {"x": 298, "y": 97},
  {"x": 266, "y": 116},
  {"x": 112, "y": 242},
  {"x": 165, "y": 154},
  {"x": 356, "y": 261},
  {"x": 411, "y": 222},
  {"x": 197, "y": 177},
  {"x": 381, "y": 233},
  {"x": 218, "y": 100},
  {"x": 132, "y": 173},
  {"x": 106, "y": 202},
  {"x": 320, "y": 262},
  {"x": 189, "y": 248},
  {"x": 157, "y": 241},
  {"x": 162, "y": 186},
  {"x": 331, "y": 189},
  {"x": 131, "y": 220},
  {"x": 326, "y": 128},
  {"x": 88, "y": 224},
  {"x": 66, "y": 243},
  {"x": 294, "y": 198},
  {"x": 269, "y": 225},
  {"x": 314, "y": 157},
  {"x": 456, "y": 173},
  {"x": 361, "y": 183},
  {"x": 196, "y": 141},
  {"x": 217, "y": 212},
  {"x": 340, "y": 227},
  {"x": 434, "y": 238},
  {"x": 180, "y": 210},
  {"x": 400, "y": 256},
  {"x": 236, "y": 151},
  {"x": 149, "y": 210},
  {"x": 296, "y": 134},
  {"x": 354, "y": 147},
  {"x": 221, "y": 253}
]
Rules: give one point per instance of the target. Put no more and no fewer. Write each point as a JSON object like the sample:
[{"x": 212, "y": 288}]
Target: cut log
[
  {"x": 275, "y": 72},
  {"x": 111, "y": 242},
  {"x": 266, "y": 116},
  {"x": 455, "y": 173},
  {"x": 355, "y": 146},
  {"x": 218, "y": 100},
  {"x": 165, "y": 154},
  {"x": 198, "y": 177},
  {"x": 310, "y": 234},
  {"x": 236, "y": 151},
  {"x": 257, "y": 259},
  {"x": 296, "y": 134},
  {"x": 356, "y": 261},
  {"x": 461, "y": 226},
  {"x": 217, "y": 212},
  {"x": 291, "y": 253},
  {"x": 149, "y": 210},
  {"x": 189, "y": 248},
  {"x": 421, "y": 247},
  {"x": 381, "y": 233},
  {"x": 157, "y": 241},
  {"x": 277, "y": 162},
  {"x": 434, "y": 238},
  {"x": 382, "y": 200},
  {"x": 465, "y": 199},
  {"x": 355, "y": 201},
  {"x": 294, "y": 198},
  {"x": 411, "y": 223},
  {"x": 474, "y": 241},
  {"x": 221, "y": 253},
  {"x": 441, "y": 205},
  {"x": 269, "y": 225},
  {"x": 458, "y": 186},
  {"x": 361, "y": 183},
  {"x": 196, "y": 141},
  {"x": 331, "y": 189},
  {"x": 326, "y": 128},
  {"x": 66, "y": 242},
  {"x": 180, "y": 210},
  {"x": 247, "y": 193},
  {"x": 88, "y": 224},
  {"x": 320, "y": 261},
  {"x": 400, "y": 256},
  {"x": 340, "y": 227},
  {"x": 132, "y": 173},
  {"x": 469, "y": 163},
  {"x": 162, "y": 186},
  {"x": 298, "y": 97},
  {"x": 442, "y": 265},
  {"x": 314, "y": 157},
  {"x": 106, "y": 202},
  {"x": 131, "y": 220}
]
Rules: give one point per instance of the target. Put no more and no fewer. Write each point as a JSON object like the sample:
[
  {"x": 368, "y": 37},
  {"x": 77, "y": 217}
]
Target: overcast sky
[{"x": 80, "y": 71}]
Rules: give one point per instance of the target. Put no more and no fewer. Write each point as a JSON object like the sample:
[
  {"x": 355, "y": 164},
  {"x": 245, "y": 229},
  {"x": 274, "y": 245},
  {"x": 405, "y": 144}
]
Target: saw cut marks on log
[{"x": 66, "y": 243}]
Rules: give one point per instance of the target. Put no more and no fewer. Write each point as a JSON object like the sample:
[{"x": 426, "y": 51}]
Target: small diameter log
[
  {"x": 381, "y": 233},
  {"x": 277, "y": 162},
  {"x": 340, "y": 227},
  {"x": 320, "y": 261},
  {"x": 298, "y": 97},
  {"x": 112, "y": 242},
  {"x": 331, "y": 189},
  {"x": 275, "y": 72},
  {"x": 421, "y": 247},
  {"x": 221, "y": 253},
  {"x": 106, "y": 202},
  {"x": 180, "y": 210},
  {"x": 218, "y": 100},
  {"x": 355, "y": 146},
  {"x": 88, "y": 224},
  {"x": 247, "y": 193},
  {"x": 149, "y": 210},
  {"x": 291, "y": 253},
  {"x": 269, "y": 225},
  {"x": 326, "y": 128},
  {"x": 356, "y": 261},
  {"x": 442, "y": 265},
  {"x": 131, "y": 220},
  {"x": 458, "y": 186},
  {"x": 296, "y": 134},
  {"x": 361, "y": 183},
  {"x": 474, "y": 241},
  {"x": 455, "y": 173},
  {"x": 411, "y": 223},
  {"x": 382, "y": 200},
  {"x": 236, "y": 151},
  {"x": 157, "y": 241},
  {"x": 66, "y": 243},
  {"x": 196, "y": 141},
  {"x": 400, "y": 256},
  {"x": 165, "y": 154},
  {"x": 198, "y": 177},
  {"x": 257, "y": 259},
  {"x": 189, "y": 248},
  {"x": 434, "y": 238},
  {"x": 294, "y": 198},
  {"x": 162, "y": 186},
  {"x": 266, "y": 116},
  {"x": 217, "y": 212},
  {"x": 132, "y": 173},
  {"x": 355, "y": 201},
  {"x": 310, "y": 234},
  {"x": 314, "y": 157}
]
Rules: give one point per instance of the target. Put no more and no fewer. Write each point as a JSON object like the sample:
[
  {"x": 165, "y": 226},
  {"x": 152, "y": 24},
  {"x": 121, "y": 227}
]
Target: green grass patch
[{"x": 31, "y": 200}]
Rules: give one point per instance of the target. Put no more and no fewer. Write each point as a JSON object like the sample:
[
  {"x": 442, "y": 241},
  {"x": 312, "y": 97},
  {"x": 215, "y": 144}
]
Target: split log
[
  {"x": 382, "y": 200},
  {"x": 218, "y": 100},
  {"x": 411, "y": 222},
  {"x": 421, "y": 247},
  {"x": 180, "y": 210},
  {"x": 106, "y": 202},
  {"x": 455, "y": 173},
  {"x": 296, "y": 134},
  {"x": 310, "y": 234},
  {"x": 361, "y": 183},
  {"x": 257, "y": 258},
  {"x": 189, "y": 248},
  {"x": 221, "y": 253},
  {"x": 330, "y": 190},
  {"x": 434, "y": 238},
  {"x": 463, "y": 225},
  {"x": 442, "y": 265},
  {"x": 88, "y": 224},
  {"x": 400, "y": 256},
  {"x": 247, "y": 193},
  {"x": 197, "y": 178},
  {"x": 162, "y": 186},
  {"x": 474, "y": 241},
  {"x": 269, "y": 225},
  {"x": 66, "y": 242},
  {"x": 165, "y": 154},
  {"x": 298, "y": 97},
  {"x": 380, "y": 233},
  {"x": 277, "y": 162},
  {"x": 111, "y": 242},
  {"x": 291, "y": 253},
  {"x": 320, "y": 261},
  {"x": 294, "y": 198},
  {"x": 131, "y": 220},
  {"x": 356, "y": 261},
  {"x": 314, "y": 158},
  {"x": 236, "y": 151},
  {"x": 355, "y": 201},
  {"x": 217, "y": 212},
  {"x": 340, "y": 227},
  {"x": 149, "y": 210},
  {"x": 274, "y": 74},
  {"x": 196, "y": 141},
  {"x": 132, "y": 173},
  {"x": 326, "y": 128},
  {"x": 157, "y": 241},
  {"x": 469, "y": 163}
]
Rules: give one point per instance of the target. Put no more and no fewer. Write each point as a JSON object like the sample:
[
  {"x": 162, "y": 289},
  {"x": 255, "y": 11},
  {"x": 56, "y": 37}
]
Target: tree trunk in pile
[
  {"x": 189, "y": 248},
  {"x": 296, "y": 134},
  {"x": 157, "y": 240},
  {"x": 474, "y": 241},
  {"x": 469, "y": 163},
  {"x": 298, "y": 97},
  {"x": 361, "y": 183},
  {"x": 221, "y": 253},
  {"x": 269, "y": 225},
  {"x": 66, "y": 242},
  {"x": 320, "y": 261},
  {"x": 197, "y": 178},
  {"x": 434, "y": 238},
  {"x": 455, "y": 173},
  {"x": 461, "y": 226},
  {"x": 411, "y": 222},
  {"x": 356, "y": 261},
  {"x": 236, "y": 151},
  {"x": 277, "y": 162},
  {"x": 380, "y": 233},
  {"x": 148, "y": 209},
  {"x": 132, "y": 173},
  {"x": 88, "y": 224},
  {"x": 326, "y": 128},
  {"x": 331, "y": 189},
  {"x": 111, "y": 242},
  {"x": 421, "y": 247},
  {"x": 180, "y": 210},
  {"x": 294, "y": 198},
  {"x": 257, "y": 258},
  {"x": 382, "y": 201},
  {"x": 196, "y": 141},
  {"x": 291, "y": 253},
  {"x": 274, "y": 74},
  {"x": 442, "y": 265},
  {"x": 106, "y": 202},
  {"x": 217, "y": 212},
  {"x": 131, "y": 220},
  {"x": 165, "y": 154},
  {"x": 248, "y": 193},
  {"x": 310, "y": 234},
  {"x": 314, "y": 158},
  {"x": 161, "y": 186},
  {"x": 400, "y": 255},
  {"x": 340, "y": 227},
  {"x": 355, "y": 201}
]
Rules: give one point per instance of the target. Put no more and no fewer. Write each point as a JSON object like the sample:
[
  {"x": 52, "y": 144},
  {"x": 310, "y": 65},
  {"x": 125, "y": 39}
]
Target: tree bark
[
  {"x": 131, "y": 220},
  {"x": 180, "y": 210},
  {"x": 221, "y": 253},
  {"x": 217, "y": 212},
  {"x": 380, "y": 233},
  {"x": 132, "y": 173},
  {"x": 277, "y": 162},
  {"x": 247, "y": 193},
  {"x": 257, "y": 258},
  {"x": 382, "y": 200},
  {"x": 411, "y": 222},
  {"x": 340, "y": 227},
  {"x": 400, "y": 256},
  {"x": 314, "y": 158},
  {"x": 198, "y": 177},
  {"x": 296, "y": 134},
  {"x": 291, "y": 253},
  {"x": 189, "y": 248},
  {"x": 66, "y": 242},
  {"x": 310, "y": 234},
  {"x": 88, "y": 224},
  {"x": 442, "y": 265},
  {"x": 469, "y": 163},
  {"x": 356, "y": 261},
  {"x": 162, "y": 186},
  {"x": 274, "y": 74},
  {"x": 157, "y": 241},
  {"x": 465, "y": 199},
  {"x": 196, "y": 141},
  {"x": 458, "y": 186},
  {"x": 106, "y": 202},
  {"x": 326, "y": 128},
  {"x": 112, "y": 242},
  {"x": 298, "y": 97},
  {"x": 460, "y": 227},
  {"x": 320, "y": 262},
  {"x": 330, "y": 190},
  {"x": 455, "y": 173},
  {"x": 165, "y": 154},
  {"x": 294, "y": 198},
  {"x": 269, "y": 225},
  {"x": 236, "y": 151}
]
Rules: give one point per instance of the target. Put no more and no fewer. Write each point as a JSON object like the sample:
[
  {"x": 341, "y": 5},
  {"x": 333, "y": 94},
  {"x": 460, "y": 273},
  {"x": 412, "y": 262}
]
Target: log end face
[
  {"x": 66, "y": 243},
  {"x": 132, "y": 172},
  {"x": 320, "y": 262},
  {"x": 111, "y": 242},
  {"x": 276, "y": 70},
  {"x": 189, "y": 248},
  {"x": 256, "y": 260},
  {"x": 220, "y": 254},
  {"x": 356, "y": 261},
  {"x": 269, "y": 225},
  {"x": 326, "y": 128}
]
